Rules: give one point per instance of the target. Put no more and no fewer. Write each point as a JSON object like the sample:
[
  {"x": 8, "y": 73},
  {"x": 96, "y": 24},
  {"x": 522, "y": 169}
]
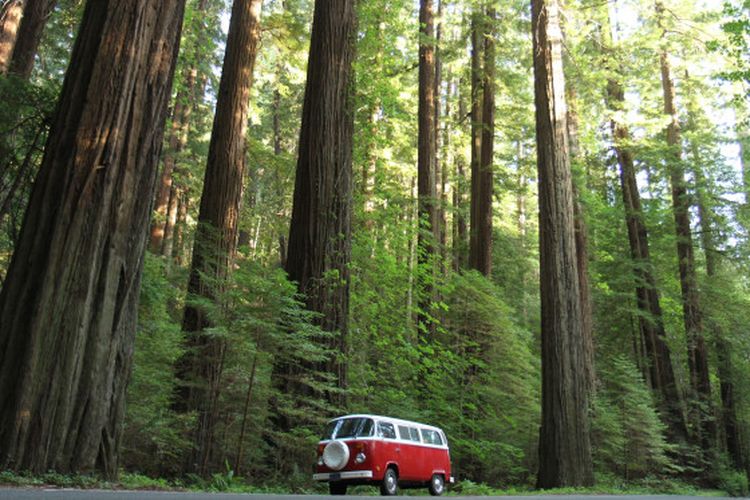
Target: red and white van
[{"x": 384, "y": 451}]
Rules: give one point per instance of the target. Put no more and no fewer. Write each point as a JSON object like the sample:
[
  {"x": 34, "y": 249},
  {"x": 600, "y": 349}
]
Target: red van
[{"x": 382, "y": 451}]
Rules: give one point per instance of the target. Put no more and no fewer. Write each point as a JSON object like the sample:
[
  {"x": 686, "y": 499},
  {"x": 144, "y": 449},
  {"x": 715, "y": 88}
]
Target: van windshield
[{"x": 349, "y": 428}]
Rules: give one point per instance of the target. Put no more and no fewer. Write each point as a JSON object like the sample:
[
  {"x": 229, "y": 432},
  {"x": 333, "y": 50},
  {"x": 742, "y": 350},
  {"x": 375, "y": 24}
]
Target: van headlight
[{"x": 360, "y": 458}]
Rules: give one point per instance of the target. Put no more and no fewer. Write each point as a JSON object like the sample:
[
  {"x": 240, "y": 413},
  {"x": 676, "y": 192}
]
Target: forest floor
[{"x": 227, "y": 484}]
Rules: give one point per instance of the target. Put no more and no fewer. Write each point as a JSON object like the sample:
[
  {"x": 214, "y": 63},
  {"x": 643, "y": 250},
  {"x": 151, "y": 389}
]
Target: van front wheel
[
  {"x": 389, "y": 486},
  {"x": 437, "y": 485}
]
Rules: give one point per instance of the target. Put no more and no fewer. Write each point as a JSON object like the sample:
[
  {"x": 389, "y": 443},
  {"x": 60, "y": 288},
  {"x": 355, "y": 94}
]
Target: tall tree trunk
[
  {"x": 320, "y": 233},
  {"x": 178, "y": 251},
  {"x": 564, "y": 443},
  {"x": 191, "y": 91},
  {"x": 216, "y": 235},
  {"x": 476, "y": 132},
  {"x": 460, "y": 230},
  {"x": 69, "y": 304},
  {"x": 481, "y": 251},
  {"x": 697, "y": 350},
  {"x": 35, "y": 16},
  {"x": 10, "y": 20},
  {"x": 582, "y": 251},
  {"x": 164, "y": 191},
  {"x": 650, "y": 318},
  {"x": 429, "y": 230}
]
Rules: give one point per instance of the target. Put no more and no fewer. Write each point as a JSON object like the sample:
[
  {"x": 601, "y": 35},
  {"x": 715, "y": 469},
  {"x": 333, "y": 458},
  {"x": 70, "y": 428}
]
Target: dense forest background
[{"x": 363, "y": 235}]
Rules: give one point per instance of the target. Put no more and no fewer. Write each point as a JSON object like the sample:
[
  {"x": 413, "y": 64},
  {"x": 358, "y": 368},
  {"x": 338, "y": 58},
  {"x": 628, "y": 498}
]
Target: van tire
[
  {"x": 336, "y": 488},
  {"x": 437, "y": 485},
  {"x": 389, "y": 485}
]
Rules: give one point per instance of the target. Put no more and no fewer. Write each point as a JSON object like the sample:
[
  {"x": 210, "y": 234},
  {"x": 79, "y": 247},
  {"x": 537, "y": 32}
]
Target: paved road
[{"x": 58, "y": 494}]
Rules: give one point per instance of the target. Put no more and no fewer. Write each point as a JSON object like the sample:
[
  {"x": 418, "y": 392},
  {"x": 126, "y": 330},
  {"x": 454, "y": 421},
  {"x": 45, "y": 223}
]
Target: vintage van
[{"x": 382, "y": 451}]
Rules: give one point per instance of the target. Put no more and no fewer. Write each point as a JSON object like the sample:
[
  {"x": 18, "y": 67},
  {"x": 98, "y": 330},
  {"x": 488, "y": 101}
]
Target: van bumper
[{"x": 335, "y": 476}]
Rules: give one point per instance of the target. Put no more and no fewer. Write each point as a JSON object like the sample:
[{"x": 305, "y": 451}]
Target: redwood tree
[
  {"x": 428, "y": 227},
  {"x": 216, "y": 236},
  {"x": 480, "y": 253},
  {"x": 564, "y": 444},
  {"x": 68, "y": 305},
  {"x": 35, "y": 15},
  {"x": 653, "y": 337},
  {"x": 320, "y": 232},
  {"x": 10, "y": 20},
  {"x": 700, "y": 382}
]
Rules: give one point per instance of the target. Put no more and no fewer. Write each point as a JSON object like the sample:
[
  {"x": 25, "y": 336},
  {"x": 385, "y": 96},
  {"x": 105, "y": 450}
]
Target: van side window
[
  {"x": 386, "y": 430},
  {"x": 431, "y": 437},
  {"x": 408, "y": 433},
  {"x": 414, "y": 434}
]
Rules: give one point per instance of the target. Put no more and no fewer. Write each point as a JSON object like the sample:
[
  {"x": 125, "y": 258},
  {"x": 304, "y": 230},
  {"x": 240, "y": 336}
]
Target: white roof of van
[{"x": 397, "y": 421}]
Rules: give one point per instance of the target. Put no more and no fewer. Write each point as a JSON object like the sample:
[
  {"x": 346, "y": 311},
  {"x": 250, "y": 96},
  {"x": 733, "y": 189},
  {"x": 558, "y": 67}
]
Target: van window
[
  {"x": 408, "y": 433},
  {"x": 431, "y": 437},
  {"x": 386, "y": 430},
  {"x": 349, "y": 428}
]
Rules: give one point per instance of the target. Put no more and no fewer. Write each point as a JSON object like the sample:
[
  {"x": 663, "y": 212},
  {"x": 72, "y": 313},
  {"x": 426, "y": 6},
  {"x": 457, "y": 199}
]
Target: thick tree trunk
[
  {"x": 481, "y": 251},
  {"x": 582, "y": 250},
  {"x": 68, "y": 306},
  {"x": 35, "y": 16},
  {"x": 216, "y": 235},
  {"x": 428, "y": 227},
  {"x": 697, "y": 350},
  {"x": 426, "y": 192},
  {"x": 476, "y": 132},
  {"x": 10, "y": 21},
  {"x": 460, "y": 229},
  {"x": 650, "y": 319},
  {"x": 320, "y": 234},
  {"x": 564, "y": 444}
]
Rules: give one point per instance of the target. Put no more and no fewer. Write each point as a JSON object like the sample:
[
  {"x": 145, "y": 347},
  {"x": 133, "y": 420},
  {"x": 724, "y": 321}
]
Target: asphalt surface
[{"x": 63, "y": 494}]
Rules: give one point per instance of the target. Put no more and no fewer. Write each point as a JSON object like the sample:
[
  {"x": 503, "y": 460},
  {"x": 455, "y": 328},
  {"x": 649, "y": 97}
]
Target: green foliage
[
  {"x": 734, "y": 482},
  {"x": 154, "y": 432},
  {"x": 627, "y": 434},
  {"x": 264, "y": 323},
  {"x": 25, "y": 112}
]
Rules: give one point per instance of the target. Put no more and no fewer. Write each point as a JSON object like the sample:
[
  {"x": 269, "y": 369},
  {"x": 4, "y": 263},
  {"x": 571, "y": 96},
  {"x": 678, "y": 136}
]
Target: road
[{"x": 62, "y": 494}]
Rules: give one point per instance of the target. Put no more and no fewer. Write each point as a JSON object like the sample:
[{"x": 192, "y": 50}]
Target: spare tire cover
[{"x": 336, "y": 455}]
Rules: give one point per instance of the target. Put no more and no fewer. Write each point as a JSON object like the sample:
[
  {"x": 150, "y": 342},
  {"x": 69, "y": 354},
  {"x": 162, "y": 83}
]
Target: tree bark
[
  {"x": 476, "y": 132},
  {"x": 10, "y": 20},
  {"x": 564, "y": 444},
  {"x": 319, "y": 248},
  {"x": 69, "y": 303},
  {"x": 697, "y": 350},
  {"x": 35, "y": 16},
  {"x": 428, "y": 227},
  {"x": 426, "y": 192},
  {"x": 460, "y": 230},
  {"x": 216, "y": 235},
  {"x": 582, "y": 250},
  {"x": 481, "y": 251}
]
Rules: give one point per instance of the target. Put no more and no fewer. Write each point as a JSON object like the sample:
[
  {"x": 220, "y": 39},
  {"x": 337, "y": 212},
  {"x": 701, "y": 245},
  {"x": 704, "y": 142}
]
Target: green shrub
[{"x": 733, "y": 482}]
